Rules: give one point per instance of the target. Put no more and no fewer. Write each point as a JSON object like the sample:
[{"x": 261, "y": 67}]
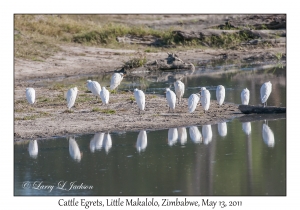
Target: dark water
[
  {"x": 219, "y": 162},
  {"x": 222, "y": 162}
]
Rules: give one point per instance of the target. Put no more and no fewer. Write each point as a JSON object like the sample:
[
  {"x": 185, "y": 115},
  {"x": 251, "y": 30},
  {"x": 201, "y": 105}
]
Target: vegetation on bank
[{"x": 39, "y": 36}]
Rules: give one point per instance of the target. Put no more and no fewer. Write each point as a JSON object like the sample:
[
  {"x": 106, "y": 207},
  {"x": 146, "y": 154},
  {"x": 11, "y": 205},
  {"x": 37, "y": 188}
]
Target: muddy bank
[{"x": 48, "y": 119}]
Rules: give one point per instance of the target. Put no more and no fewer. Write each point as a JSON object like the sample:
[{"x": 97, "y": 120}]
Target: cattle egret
[
  {"x": 116, "y": 80},
  {"x": 205, "y": 99},
  {"x": 141, "y": 142},
  {"x": 193, "y": 101},
  {"x": 179, "y": 89},
  {"x": 140, "y": 99},
  {"x": 104, "y": 95},
  {"x": 195, "y": 134},
  {"x": 265, "y": 92},
  {"x": 245, "y": 96},
  {"x": 171, "y": 98},
  {"x": 220, "y": 94},
  {"x": 94, "y": 87},
  {"x": 71, "y": 97},
  {"x": 30, "y": 95},
  {"x": 88, "y": 84}
]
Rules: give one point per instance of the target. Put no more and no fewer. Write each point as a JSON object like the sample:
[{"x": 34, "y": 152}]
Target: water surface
[{"x": 228, "y": 159}]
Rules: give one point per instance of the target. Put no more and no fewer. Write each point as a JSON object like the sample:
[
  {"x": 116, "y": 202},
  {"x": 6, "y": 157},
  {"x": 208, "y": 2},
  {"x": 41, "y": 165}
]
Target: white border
[{"x": 8, "y": 8}]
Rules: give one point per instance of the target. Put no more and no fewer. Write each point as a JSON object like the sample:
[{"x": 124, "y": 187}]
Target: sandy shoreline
[{"x": 83, "y": 120}]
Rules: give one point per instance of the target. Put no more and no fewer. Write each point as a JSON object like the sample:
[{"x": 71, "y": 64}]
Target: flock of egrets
[
  {"x": 203, "y": 96},
  {"x": 102, "y": 140}
]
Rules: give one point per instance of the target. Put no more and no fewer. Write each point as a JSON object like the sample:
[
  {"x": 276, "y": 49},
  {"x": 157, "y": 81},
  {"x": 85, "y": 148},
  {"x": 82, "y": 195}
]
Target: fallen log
[{"x": 248, "y": 109}]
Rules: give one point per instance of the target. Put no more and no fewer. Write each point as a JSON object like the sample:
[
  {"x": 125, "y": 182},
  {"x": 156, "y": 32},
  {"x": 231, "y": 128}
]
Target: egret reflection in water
[
  {"x": 246, "y": 128},
  {"x": 268, "y": 135},
  {"x": 207, "y": 134},
  {"x": 74, "y": 150},
  {"x": 172, "y": 136},
  {"x": 107, "y": 143},
  {"x": 96, "y": 142},
  {"x": 222, "y": 129},
  {"x": 195, "y": 134},
  {"x": 33, "y": 148},
  {"x": 141, "y": 142},
  {"x": 182, "y": 135}
]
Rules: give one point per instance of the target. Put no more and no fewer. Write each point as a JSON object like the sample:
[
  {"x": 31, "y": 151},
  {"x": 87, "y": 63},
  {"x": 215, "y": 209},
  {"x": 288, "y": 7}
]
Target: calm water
[
  {"x": 220, "y": 159},
  {"x": 228, "y": 161}
]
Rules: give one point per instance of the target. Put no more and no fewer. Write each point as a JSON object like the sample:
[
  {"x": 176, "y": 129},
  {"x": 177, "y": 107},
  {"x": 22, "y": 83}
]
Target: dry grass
[{"x": 39, "y": 36}]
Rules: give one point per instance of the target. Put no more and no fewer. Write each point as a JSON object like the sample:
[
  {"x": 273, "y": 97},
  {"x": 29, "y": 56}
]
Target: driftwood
[{"x": 248, "y": 109}]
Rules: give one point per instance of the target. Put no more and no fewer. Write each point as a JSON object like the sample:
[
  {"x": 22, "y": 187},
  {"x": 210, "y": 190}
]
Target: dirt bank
[{"x": 51, "y": 119}]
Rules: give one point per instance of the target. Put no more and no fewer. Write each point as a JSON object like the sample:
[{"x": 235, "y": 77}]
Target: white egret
[
  {"x": 268, "y": 135},
  {"x": 207, "y": 134},
  {"x": 33, "y": 148},
  {"x": 182, "y": 135},
  {"x": 116, "y": 80},
  {"x": 107, "y": 143},
  {"x": 140, "y": 99},
  {"x": 71, "y": 97},
  {"x": 74, "y": 150},
  {"x": 246, "y": 128},
  {"x": 193, "y": 101},
  {"x": 171, "y": 98},
  {"x": 179, "y": 89},
  {"x": 222, "y": 129},
  {"x": 220, "y": 94},
  {"x": 265, "y": 92},
  {"x": 97, "y": 142},
  {"x": 94, "y": 87},
  {"x": 30, "y": 95},
  {"x": 205, "y": 99},
  {"x": 104, "y": 95},
  {"x": 245, "y": 96},
  {"x": 88, "y": 84},
  {"x": 195, "y": 134},
  {"x": 141, "y": 142},
  {"x": 172, "y": 136}
]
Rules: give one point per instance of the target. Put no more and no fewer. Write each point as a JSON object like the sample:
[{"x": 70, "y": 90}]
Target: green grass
[
  {"x": 68, "y": 111},
  {"x": 38, "y": 37},
  {"x": 33, "y": 117},
  {"x": 105, "y": 111},
  {"x": 112, "y": 91},
  {"x": 135, "y": 62},
  {"x": 108, "y": 111},
  {"x": 131, "y": 98},
  {"x": 278, "y": 55}
]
